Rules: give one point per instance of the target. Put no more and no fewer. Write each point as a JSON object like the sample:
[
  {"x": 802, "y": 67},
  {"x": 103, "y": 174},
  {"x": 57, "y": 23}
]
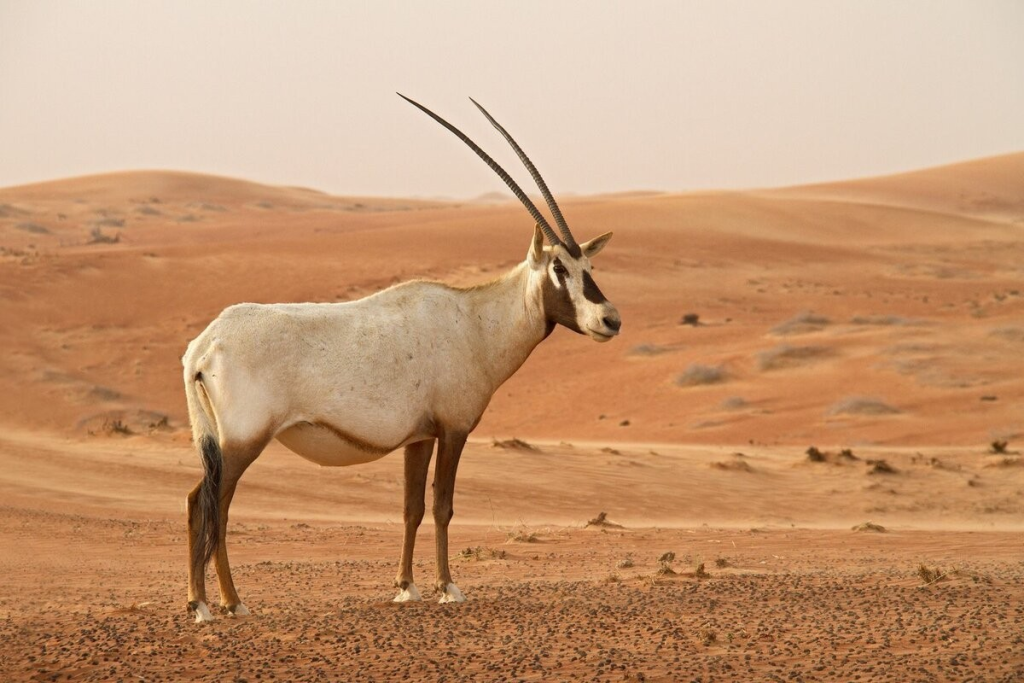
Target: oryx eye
[{"x": 560, "y": 269}]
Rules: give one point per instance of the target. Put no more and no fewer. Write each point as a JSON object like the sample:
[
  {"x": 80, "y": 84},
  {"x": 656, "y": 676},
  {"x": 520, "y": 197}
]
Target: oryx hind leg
[
  {"x": 236, "y": 460},
  {"x": 417, "y": 461},
  {"x": 196, "y": 576},
  {"x": 449, "y": 451}
]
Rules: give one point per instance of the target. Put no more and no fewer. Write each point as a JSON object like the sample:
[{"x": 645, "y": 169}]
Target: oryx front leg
[
  {"x": 417, "y": 460},
  {"x": 449, "y": 451}
]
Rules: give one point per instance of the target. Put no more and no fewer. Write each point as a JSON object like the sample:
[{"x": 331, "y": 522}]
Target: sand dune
[
  {"x": 885, "y": 316},
  {"x": 921, "y": 306}
]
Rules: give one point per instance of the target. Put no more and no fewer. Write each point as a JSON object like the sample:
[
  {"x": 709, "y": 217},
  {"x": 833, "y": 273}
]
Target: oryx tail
[{"x": 204, "y": 434}]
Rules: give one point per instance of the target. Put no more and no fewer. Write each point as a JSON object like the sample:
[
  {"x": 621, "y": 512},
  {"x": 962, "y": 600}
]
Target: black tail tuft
[{"x": 208, "y": 505}]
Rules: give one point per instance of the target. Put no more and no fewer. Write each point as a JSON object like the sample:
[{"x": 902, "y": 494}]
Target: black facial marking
[
  {"x": 560, "y": 272},
  {"x": 591, "y": 291},
  {"x": 558, "y": 306}
]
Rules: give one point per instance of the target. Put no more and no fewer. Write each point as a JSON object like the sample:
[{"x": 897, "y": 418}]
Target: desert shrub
[{"x": 815, "y": 455}]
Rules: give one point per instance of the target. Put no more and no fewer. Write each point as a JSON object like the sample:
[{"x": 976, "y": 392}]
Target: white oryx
[{"x": 348, "y": 383}]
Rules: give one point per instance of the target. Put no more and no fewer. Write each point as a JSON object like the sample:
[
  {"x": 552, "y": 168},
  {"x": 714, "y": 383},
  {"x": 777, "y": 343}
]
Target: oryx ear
[
  {"x": 590, "y": 249},
  {"x": 536, "y": 255}
]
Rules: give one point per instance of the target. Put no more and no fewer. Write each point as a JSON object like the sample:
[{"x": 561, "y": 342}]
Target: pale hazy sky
[{"x": 604, "y": 96}]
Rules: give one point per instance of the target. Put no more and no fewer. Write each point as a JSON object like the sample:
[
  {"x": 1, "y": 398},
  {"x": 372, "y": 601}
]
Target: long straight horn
[
  {"x": 563, "y": 227},
  {"x": 516, "y": 190}
]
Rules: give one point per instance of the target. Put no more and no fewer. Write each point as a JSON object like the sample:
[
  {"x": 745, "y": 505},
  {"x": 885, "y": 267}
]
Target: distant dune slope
[
  {"x": 903, "y": 291},
  {"x": 991, "y": 188}
]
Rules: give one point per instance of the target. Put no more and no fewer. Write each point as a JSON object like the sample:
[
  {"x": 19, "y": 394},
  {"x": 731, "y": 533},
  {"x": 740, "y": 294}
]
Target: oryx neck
[{"x": 510, "y": 319}]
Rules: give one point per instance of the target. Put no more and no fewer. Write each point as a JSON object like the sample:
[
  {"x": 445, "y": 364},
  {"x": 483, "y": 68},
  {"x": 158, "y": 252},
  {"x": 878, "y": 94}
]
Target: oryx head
[{"x": 570, "y": 295}]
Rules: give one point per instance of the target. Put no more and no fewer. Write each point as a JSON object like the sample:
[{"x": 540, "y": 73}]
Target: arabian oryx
[{"x": 347, "y": 383}]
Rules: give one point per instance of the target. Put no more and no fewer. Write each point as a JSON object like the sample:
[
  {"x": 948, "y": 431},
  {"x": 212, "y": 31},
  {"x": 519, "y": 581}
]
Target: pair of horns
[{"x": 567, "y": 241}]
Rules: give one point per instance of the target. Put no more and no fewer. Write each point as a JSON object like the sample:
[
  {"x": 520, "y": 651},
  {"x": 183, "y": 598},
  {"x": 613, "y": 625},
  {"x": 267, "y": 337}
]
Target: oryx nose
[{"x": 612, "y": 323}]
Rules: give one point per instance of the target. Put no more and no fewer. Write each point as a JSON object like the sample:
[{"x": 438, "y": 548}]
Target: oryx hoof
[
  {"x": 239, "y": 610},
  {"x": 201, "y": 611},
  {"x": 408, "y": 594},
  {"x": 451, "y": 593}
]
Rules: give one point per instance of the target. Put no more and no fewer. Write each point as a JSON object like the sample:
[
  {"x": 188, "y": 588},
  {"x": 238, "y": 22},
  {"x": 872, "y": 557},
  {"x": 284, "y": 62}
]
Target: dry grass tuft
[
  {"x": 1011, "y": 334},
  {"x": 734, "y": 403},
  {"x": 700, "y": 572},
  {"x": 707, "y": 635},
  {"x": 880, "y": 467},
  {"x": 802, "y": 323},
  {"x": 33, "y": 228},
  {"x": 521, "y": 536},
  {"x": 859, "y": 405},
  {"x": 514, "y": 444},
  {"x": 480, "y": 554},
  {"x": 721, "y": 563},
  {"x": 883, "y": 320},
  {"x": 97, "y": 236},
  {"x": 647, "y": 350},
  {"x": 732, "y": 466},
  {"x": 602, "y": 521},
  {"x": 700, "y": 375},
  {"x": 1006, "y": 462},
  {"x": 870, "y": 526},
  {"x": 665, "y": 564},
  {"x": 931, "y": 575},
  {"x": 998, "y": 447},
  {"x": 785, "y": 356},
  {"x": 111, "y": 427}
]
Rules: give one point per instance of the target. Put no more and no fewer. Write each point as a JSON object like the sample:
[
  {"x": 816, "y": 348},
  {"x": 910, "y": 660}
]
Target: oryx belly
[{"x": 330, "y": 447}]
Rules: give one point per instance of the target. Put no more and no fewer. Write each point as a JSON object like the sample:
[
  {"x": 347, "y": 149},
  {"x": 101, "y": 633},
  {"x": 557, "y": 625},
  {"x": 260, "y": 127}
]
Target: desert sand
[{"x": 883, "y": 318}]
